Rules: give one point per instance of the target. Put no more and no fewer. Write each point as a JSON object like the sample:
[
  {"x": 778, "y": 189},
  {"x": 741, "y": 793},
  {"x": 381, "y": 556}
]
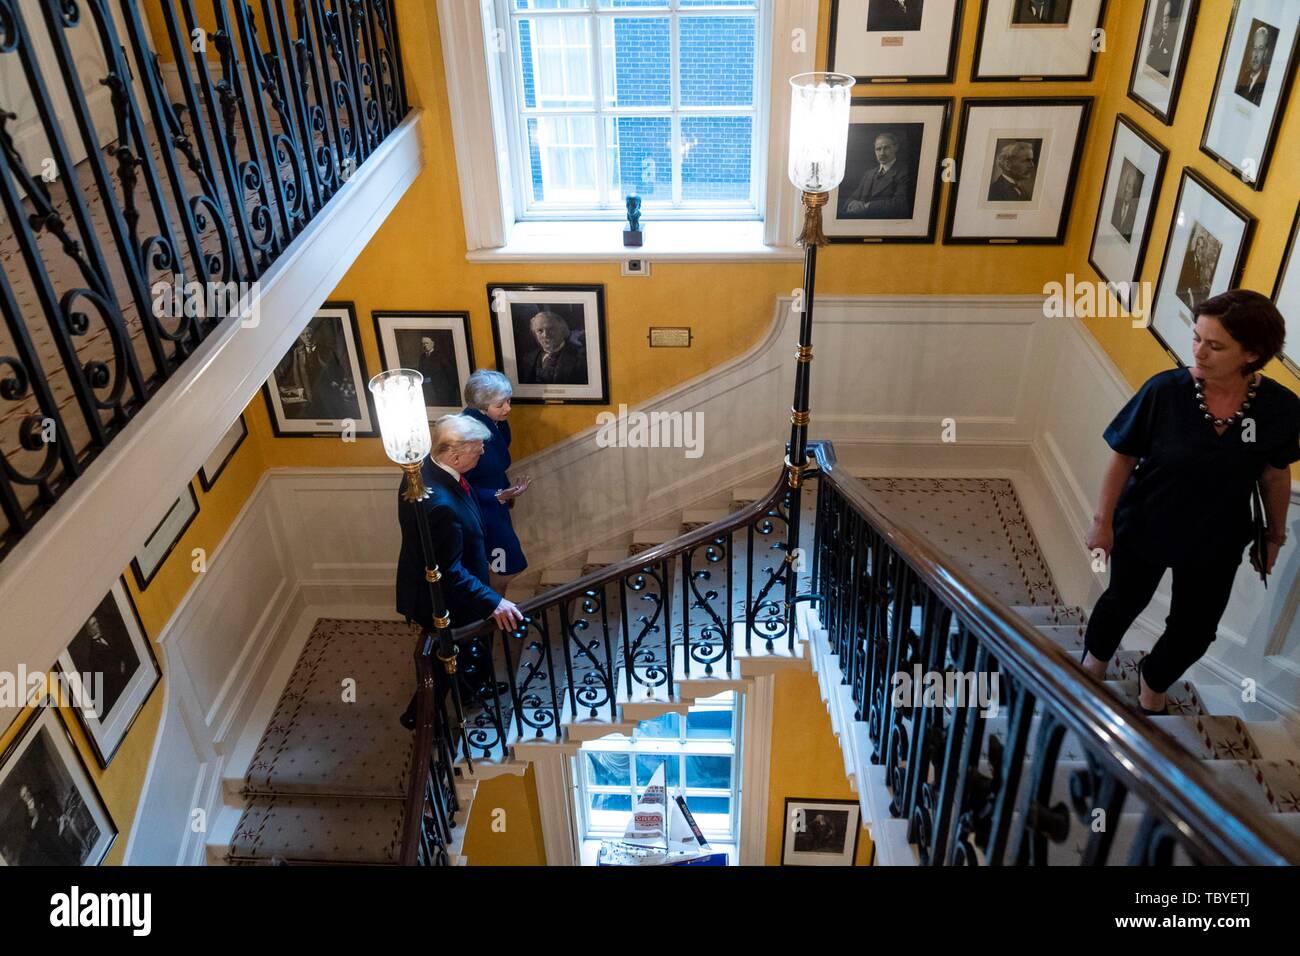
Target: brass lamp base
[
  {"x": 812, "y": 234},
  {"x": 415, "y": 489}
]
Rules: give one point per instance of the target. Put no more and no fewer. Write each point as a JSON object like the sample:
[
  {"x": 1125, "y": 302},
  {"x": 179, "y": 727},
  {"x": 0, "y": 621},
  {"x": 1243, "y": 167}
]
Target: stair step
[
  {"x": 1050, "y": 613},
  {"x": 698, "y": 519},
  {"x": 647, "y": 538},
  {"x": 603, "y": 557},
  {"x": 747, "y": 494},
  {"x": 552, "y": 577},
  {"x": 314, "y": 829},
  {"x": 1068, "y": 636},
  {"x": 1270, "y": 786},
  {"x": 1182, "y": 697},
  {"x": 1205, "y": 737}
]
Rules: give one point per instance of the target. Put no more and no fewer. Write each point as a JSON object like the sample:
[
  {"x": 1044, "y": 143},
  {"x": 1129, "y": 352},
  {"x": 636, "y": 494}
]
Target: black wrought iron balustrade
[
  {"x": 132, "y": 164},
  {"x": 975, "y": 782}
]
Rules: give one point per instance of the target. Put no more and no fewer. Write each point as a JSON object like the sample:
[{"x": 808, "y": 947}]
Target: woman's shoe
[{"x": 1159, "y": 712}]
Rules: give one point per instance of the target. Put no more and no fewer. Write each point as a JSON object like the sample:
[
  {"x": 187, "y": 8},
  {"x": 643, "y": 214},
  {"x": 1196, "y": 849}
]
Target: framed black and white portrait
[
  {"x": 1017, "y": 165},
  {"x": 895, "y": 41},
  {"x": 50, "y": 812},
  {"x": 163, "y": 539},
  {"x": 1161, "y": 56},
  {"x": 1204, "y": 255},
  {"x": 436, "y": 344},
  {"x": 1286, "y": 296},
  {"x": 1251, "y": 90},
  {"x": 550, "y": 341},
  {"x": 211, "y": 469},
  {"x": 110, "y": 668},
  {"x": 890, "y": 191},
  {"x": 1037, "y": 39},
  {"x": 820, "y": 832},
  {"x": 319, "y": 387},
  {"x": 1129, "y": 193}
]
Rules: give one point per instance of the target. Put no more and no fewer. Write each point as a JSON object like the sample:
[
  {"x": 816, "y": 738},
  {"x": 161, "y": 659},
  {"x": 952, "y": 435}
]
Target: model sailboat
[{"x": 662, "y": 832}]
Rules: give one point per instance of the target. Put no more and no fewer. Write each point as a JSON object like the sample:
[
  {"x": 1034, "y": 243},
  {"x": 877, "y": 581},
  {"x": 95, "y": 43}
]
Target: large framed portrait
[
  {"x": 890, "y": 191},
  {"x": 550, "y": 341},
  {"x": 895, "y": 41},
  {"x": 111, "y": 669},
  {"x": 820, "y": 832},
  {"x": 1161, "y": 56},
  {"x": 436, "y": 344},
  {"x": 211, "y": 469},
  {"x": 319, "y": 387},
  {"x": 50, "y": 812},
  {"x": 164, "y": 538},
  {"x": 1037, "y": 39},
  {"x": 1251, "y": 90},
  {"x": 1204, "y": 255},
  {"x": 1128, "y": 199},
  {"x": 1017, "y": 165},
  {"x": 1286, "y": 296}
]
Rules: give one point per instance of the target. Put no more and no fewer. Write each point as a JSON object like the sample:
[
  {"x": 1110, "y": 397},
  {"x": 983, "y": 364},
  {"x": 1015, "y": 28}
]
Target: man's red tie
[{"x": 464, "y": 485}]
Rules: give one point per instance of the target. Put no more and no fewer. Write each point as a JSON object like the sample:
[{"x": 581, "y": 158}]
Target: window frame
[{"x": 515, "y": 117}]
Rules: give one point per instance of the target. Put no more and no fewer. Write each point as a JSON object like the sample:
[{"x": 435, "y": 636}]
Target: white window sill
[
  {"x": 591, "y": 849},
  {"x": 677, "y": 241}
]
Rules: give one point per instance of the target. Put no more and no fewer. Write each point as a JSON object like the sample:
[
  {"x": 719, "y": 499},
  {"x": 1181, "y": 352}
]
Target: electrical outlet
[{"x": 636, "y": 267}]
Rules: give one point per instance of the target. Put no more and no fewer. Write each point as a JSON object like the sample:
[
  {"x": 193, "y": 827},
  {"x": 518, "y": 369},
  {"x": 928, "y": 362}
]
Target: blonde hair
[{"x": 451, "y": 432}]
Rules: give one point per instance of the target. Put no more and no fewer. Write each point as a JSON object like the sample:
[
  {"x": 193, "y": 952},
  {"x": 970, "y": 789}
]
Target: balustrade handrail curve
[{"x": 1165, "y": 775}]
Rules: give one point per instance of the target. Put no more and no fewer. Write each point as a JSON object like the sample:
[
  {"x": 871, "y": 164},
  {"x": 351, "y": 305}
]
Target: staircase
[{"x": 328, "y": 781}]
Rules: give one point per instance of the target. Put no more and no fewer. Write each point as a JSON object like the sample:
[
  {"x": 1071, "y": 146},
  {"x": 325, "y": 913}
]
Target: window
[
  {"x": 663, "y": 99},
  {"x": 701, "y": 756}
]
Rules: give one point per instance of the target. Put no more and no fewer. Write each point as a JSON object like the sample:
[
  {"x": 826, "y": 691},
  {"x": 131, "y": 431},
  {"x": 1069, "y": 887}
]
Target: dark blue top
[
  {"x": 486, "y": 479},
  {"x": 1189, "y": 496}
]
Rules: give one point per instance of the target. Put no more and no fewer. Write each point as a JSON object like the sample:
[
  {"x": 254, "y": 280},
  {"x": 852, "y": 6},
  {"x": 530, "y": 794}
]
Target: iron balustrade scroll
[
  {"x": 133, "y": 163},
  {"x": 982, "y": 785}
]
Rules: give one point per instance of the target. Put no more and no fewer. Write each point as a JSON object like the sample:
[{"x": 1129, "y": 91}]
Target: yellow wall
[
  {"x": 1135, "y": 351},
  {"x": 807, "y": 763},
  {"x": 505, "y": 823}
]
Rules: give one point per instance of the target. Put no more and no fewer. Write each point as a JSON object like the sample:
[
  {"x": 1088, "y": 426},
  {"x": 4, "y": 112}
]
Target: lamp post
[
  {"x": 404, "y": 426},
  {"x": 819, "y": 139}
]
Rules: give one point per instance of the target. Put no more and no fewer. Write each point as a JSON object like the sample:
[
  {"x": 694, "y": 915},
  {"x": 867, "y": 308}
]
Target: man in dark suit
[
  {"x": 1254, "y": 69},
  {"x": 1014, "y": 177},
  {"x": 885, "y": 190},
  {"x": 1124, "y": 216},
  {"x": 1160, "y": 54},
  {"x": 439, "y": 370},
  {"x": 559, "y": 360},
  {"x": 894, "y": 14},
  {"x": 1041, "y": 11},
  {"x": 457, "y": 532}
]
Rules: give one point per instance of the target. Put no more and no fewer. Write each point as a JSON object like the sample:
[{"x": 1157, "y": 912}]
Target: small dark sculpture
[{"x": 632, "y": 234}]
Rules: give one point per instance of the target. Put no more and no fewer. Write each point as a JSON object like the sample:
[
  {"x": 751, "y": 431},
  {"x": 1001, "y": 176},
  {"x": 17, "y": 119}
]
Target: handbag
[{"x": 1258, "y": 541}]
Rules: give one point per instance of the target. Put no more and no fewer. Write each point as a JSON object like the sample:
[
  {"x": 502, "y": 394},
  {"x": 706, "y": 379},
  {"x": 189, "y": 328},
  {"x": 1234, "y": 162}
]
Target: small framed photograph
[
  {"x": 890, "y": 191},
  {"x": 895, "y": 41},
  {"x": 1037, "y": 39},
  {"x": 1286, "y": 296},
  {"x": 820, "y": 832},
  {"x": 1204, "y": 256},
  {"x": 1017, "y": 165},
  {"x": 1161, "y": 56},
  {"x": 50, "y": 812},
  {"x": 160, "y": 543},
  {"x": 211, "y": 469},
  {"x": 112, "y": 670},
  {"x": 319, "y": 387},
  {"x": 436, "y": 344},
  {"x": 1251, "y": 90},
  {"x": 1128, "y": 199},
  {"x": 550, "y": 341}
]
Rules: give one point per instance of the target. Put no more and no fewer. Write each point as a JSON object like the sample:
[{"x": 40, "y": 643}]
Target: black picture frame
[
  {"x": 439, "y": 321},
  {"x": 144, "y": 578},
  {"x": 853, "y": 823},
  {"x": 945, "y": 130},
  {"x": 206, "y": 481},
  {"x": 283, "y": 427},
  {"x": 1248, "y": 229},
  {"x": 947, "y": 76},
  {"x": 1254, "y": 178},
  {"x": 505, "y": 346},
  {"x": 1162, "y": 162},
  {"x": 104, "y": 755},
  {"x": 1177, "y": 68},
  {"x": 1289, "y": 259},
  {"x": 955, "y": 193},
  {"x": 46, "y": 715},
  {"x": 982, "y": 31}
]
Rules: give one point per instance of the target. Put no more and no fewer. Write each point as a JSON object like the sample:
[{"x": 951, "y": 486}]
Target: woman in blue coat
[{"x": 487, "y": 399}]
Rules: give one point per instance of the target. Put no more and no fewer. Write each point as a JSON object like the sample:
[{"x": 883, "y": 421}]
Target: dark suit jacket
[
  {"x": 1053, "y": 11},
  {"x": 570, "y": 367},
  {"x": 888, "y": 15},
  {"x": 457, "y": 532},
  {"x": 1003, "y": 190},
  {"x": 1253, "y": 93},
  {"x": 887, "y": 194}
]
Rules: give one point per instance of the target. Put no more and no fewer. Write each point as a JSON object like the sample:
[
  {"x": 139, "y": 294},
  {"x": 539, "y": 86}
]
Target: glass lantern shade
[
  {"x": 403, "y": 421},
  {"x": 819, "y": 130}
]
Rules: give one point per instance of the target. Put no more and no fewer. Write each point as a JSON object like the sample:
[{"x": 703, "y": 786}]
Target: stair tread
[{"x": 319, "y": 829}]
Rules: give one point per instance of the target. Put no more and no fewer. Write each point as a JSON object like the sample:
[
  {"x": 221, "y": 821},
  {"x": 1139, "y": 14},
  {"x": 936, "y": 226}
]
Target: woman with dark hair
[
  {"x": 487, "y": 399},
  {"x": 1190, "y": 448}
]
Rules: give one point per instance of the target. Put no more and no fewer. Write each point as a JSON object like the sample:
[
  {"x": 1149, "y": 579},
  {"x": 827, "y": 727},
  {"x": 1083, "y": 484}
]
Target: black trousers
[{"x": 1200, "y": 594}]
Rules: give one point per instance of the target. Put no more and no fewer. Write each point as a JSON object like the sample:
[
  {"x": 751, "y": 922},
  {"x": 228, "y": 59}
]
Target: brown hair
[{"x": 1251, "y": 319}]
